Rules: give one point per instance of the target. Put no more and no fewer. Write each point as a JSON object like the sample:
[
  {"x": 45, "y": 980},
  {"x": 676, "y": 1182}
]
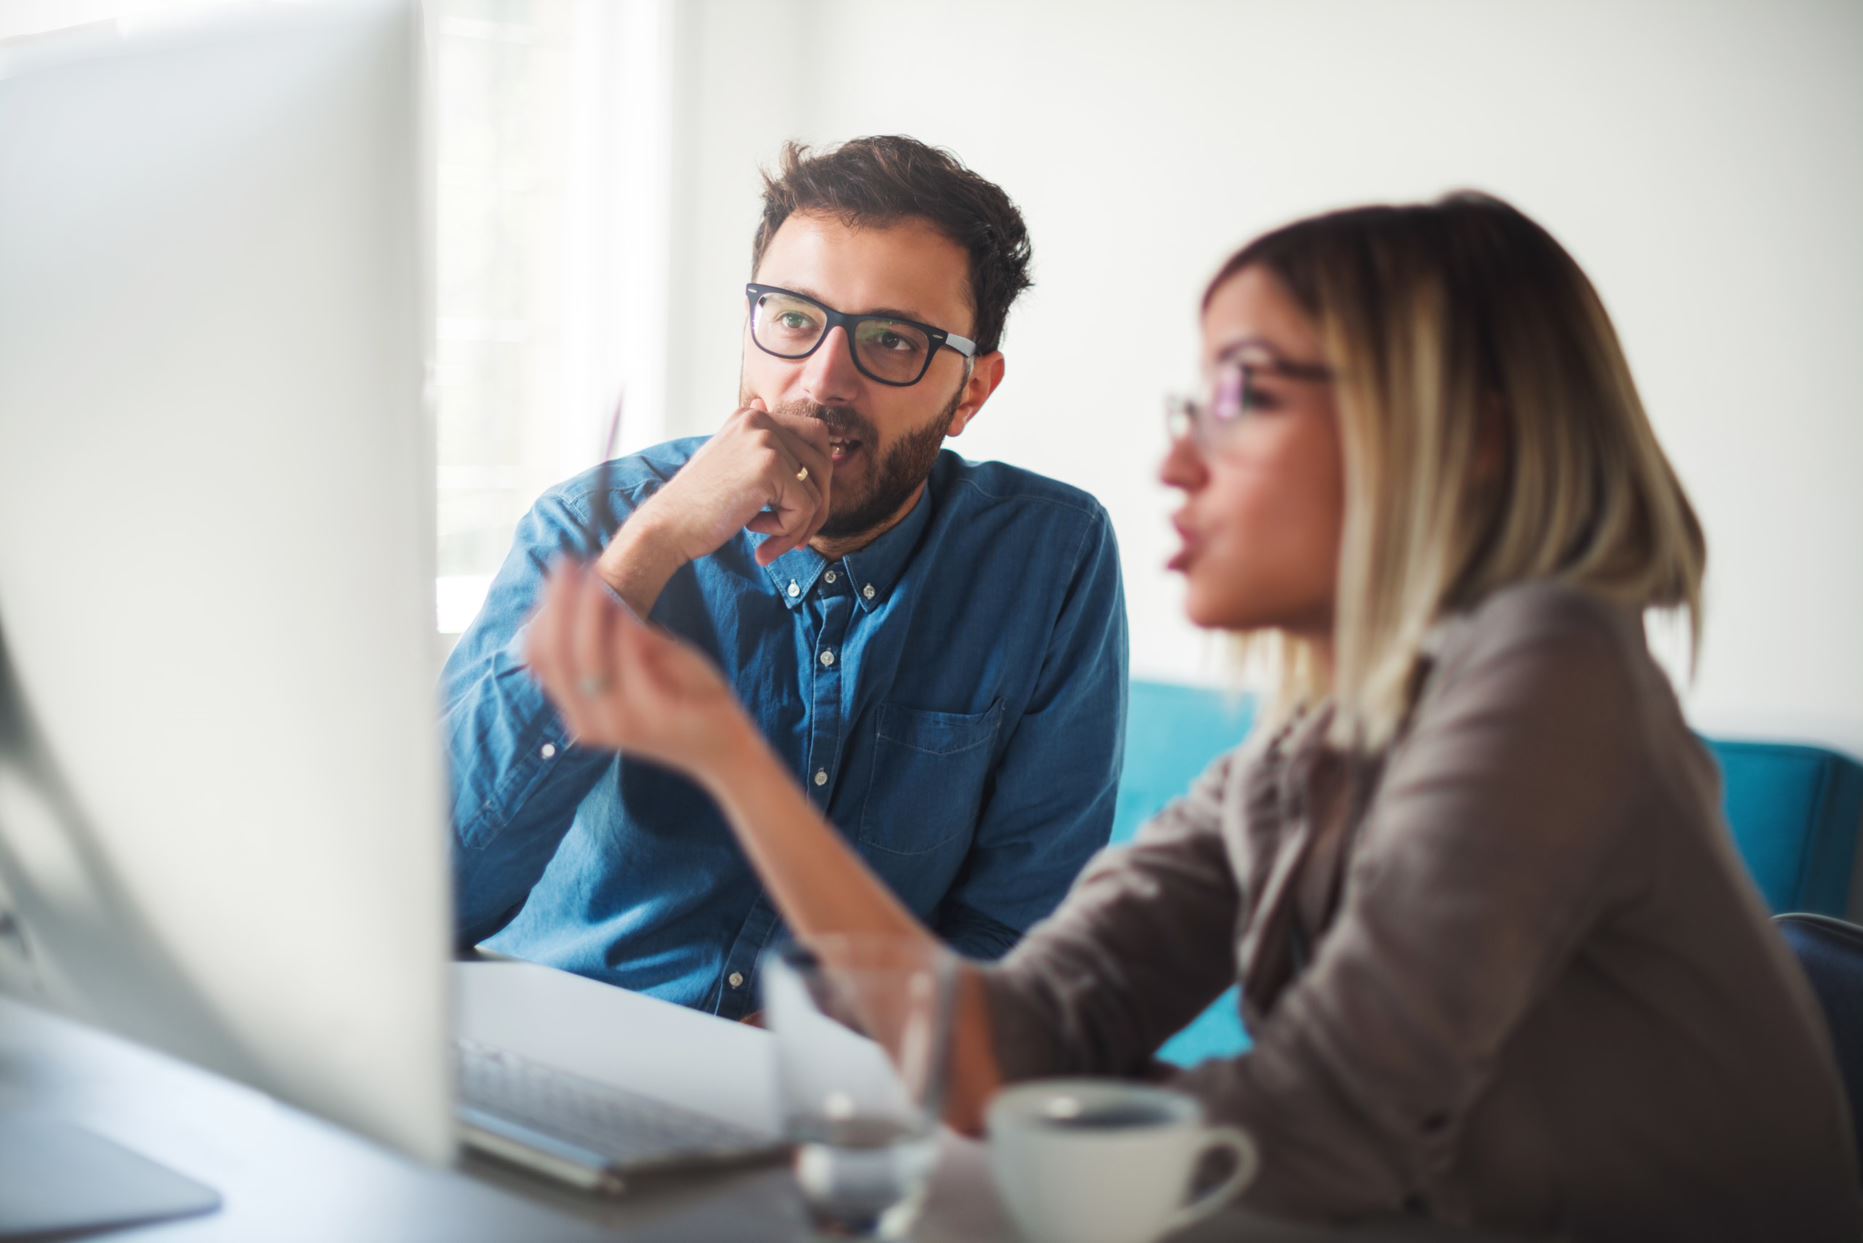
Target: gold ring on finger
[{"x": 802, "y": 475}]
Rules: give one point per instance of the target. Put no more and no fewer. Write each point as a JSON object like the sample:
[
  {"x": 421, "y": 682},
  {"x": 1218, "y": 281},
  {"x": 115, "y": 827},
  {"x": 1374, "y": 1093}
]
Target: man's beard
[{"x": 897, "y": 473}]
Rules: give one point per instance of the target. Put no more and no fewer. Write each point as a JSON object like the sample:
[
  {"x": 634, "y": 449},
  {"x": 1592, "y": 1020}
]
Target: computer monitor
[{"x": 221, "y": 820}]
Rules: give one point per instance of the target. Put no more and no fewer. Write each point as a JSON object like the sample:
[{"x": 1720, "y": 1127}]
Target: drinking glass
[{"x": 862, "y": 1027}]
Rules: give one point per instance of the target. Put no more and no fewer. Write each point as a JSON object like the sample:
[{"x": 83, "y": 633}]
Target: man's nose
[{"x": 829, "y": 376}]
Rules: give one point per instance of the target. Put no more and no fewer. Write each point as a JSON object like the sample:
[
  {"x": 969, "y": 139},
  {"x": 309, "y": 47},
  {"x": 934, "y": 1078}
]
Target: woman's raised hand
[{"x": 624, "y": 685}]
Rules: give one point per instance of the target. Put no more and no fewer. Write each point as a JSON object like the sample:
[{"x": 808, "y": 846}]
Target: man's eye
[
  {"x": 794, "y": 321},
  {"x": 892, "y": 341}
]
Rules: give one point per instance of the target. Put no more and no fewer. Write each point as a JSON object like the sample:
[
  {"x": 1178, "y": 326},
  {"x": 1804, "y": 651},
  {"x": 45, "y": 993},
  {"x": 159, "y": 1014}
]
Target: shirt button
[
  {"x": 827, "y": 658},
  {"x": 830, "y": 576},
  {"x": 794, "y": 590},
  {"x": 736, "y": 979},
  {"x": 549, "y": 751},
  {"x": 821, "y": 776},
  {"x": 867, "y": 591}
]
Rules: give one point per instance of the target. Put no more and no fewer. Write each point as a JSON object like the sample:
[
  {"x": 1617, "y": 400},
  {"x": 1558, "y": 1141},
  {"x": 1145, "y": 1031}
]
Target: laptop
[{"x": 575, "y": 1080}]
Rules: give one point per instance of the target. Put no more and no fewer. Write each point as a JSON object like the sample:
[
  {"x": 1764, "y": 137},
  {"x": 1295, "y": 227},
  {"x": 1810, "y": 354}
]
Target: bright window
[{"x": 538, "y": 131}]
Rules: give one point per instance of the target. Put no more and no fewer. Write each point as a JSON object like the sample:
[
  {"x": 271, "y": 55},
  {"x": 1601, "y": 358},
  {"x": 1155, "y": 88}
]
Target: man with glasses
[{"x": 937, "y": 646}]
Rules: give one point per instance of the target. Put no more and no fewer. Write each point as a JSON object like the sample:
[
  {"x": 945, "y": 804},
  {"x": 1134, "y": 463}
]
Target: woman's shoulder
[
  {"x": 1540, "y": 621},
  {"x": 1546, "y": 695},
  {"x": 1539, "y": 610},
  {"x": 1559, "y": 661}
]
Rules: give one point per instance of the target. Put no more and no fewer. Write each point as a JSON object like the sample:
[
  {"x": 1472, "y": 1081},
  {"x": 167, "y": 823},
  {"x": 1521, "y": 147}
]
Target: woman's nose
[{"x": 1183, "y": 464}]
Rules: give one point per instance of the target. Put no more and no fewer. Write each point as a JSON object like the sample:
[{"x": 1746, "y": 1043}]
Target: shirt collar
[{"x": 872, "y": 572}]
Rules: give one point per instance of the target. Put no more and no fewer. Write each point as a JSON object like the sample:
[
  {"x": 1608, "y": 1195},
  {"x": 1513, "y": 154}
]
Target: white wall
[{"x": 1703, "y": 159}]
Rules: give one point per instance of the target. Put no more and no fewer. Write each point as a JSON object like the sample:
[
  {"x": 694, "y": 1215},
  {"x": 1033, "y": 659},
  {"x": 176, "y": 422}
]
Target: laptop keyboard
[{"x": 626, "y": 1127}]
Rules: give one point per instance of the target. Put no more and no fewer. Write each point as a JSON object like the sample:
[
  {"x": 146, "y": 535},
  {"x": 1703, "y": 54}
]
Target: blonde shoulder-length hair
[{"x": 1491, "y": 432}]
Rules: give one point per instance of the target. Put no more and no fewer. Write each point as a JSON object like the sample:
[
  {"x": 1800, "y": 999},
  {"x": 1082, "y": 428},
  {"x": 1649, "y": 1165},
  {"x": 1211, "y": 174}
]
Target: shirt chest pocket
[{"x": 929, "y": 774}]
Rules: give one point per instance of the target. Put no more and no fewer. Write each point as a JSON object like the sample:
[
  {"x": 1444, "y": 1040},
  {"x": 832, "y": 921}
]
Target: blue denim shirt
[{"x": 951, "y": 697}]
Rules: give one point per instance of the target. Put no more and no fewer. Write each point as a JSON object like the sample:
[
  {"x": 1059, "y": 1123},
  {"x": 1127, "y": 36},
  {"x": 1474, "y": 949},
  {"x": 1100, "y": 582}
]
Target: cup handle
[{"x": 1238, "y": 1143}]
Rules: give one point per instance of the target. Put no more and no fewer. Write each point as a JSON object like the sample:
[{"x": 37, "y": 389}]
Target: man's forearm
[{"x": 640, "y": 561}]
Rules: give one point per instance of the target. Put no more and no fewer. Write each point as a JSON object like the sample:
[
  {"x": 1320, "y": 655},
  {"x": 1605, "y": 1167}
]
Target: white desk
[{"x": 287, "y": 1176}]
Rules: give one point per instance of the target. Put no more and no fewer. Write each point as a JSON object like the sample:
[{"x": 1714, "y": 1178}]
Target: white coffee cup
[{"x": 1103, "y": 1161}]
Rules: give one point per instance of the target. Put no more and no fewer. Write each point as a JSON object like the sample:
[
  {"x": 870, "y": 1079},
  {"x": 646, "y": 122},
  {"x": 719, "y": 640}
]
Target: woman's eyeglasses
[{"x": 1234, "y": 394}]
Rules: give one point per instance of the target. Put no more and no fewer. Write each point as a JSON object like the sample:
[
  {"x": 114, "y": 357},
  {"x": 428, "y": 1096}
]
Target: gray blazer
[{"x": 1510, "y": 972}]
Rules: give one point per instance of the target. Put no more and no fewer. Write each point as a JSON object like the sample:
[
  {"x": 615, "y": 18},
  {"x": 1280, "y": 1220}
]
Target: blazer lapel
[{"x": 1279, "y": 822}]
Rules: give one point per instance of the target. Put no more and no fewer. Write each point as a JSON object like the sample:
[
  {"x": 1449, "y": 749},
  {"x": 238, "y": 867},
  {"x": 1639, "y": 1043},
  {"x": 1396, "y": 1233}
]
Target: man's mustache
[{"x": 844, "y": 422}]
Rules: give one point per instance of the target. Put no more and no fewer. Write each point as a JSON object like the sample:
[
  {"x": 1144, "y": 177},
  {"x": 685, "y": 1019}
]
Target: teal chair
[{"x": 1795, "y": 813}]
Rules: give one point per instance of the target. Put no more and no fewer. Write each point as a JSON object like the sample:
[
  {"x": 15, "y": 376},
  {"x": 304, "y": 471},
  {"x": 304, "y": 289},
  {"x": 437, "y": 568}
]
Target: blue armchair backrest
[{"x": 1795, "y": 813}]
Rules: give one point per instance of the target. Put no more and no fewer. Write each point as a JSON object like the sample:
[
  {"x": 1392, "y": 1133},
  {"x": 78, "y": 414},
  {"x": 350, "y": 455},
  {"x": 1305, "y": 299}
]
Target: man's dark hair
[{"x": 883, "y": 180}]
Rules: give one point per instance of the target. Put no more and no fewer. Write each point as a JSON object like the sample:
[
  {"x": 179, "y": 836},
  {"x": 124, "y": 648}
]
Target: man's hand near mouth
[{"x": 763, "y": 471}]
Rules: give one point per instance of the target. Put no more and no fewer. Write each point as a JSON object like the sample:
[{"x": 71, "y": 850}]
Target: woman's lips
[{"x": 1187, "y": 553}]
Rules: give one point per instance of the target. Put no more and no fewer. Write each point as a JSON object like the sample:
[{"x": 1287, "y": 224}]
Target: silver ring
[
  {"x": 591, "y": 688},
  {"x": 802, "y": 475}
]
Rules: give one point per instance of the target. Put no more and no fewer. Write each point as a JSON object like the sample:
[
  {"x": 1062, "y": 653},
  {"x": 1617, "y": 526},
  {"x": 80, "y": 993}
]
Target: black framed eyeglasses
[
  {"x": 1234, "y": 394},
  {"x": 886, "y": 348}
]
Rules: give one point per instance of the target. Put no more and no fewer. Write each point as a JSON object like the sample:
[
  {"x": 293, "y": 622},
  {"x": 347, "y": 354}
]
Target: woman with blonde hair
[{"x": 1499, "y": 959}]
